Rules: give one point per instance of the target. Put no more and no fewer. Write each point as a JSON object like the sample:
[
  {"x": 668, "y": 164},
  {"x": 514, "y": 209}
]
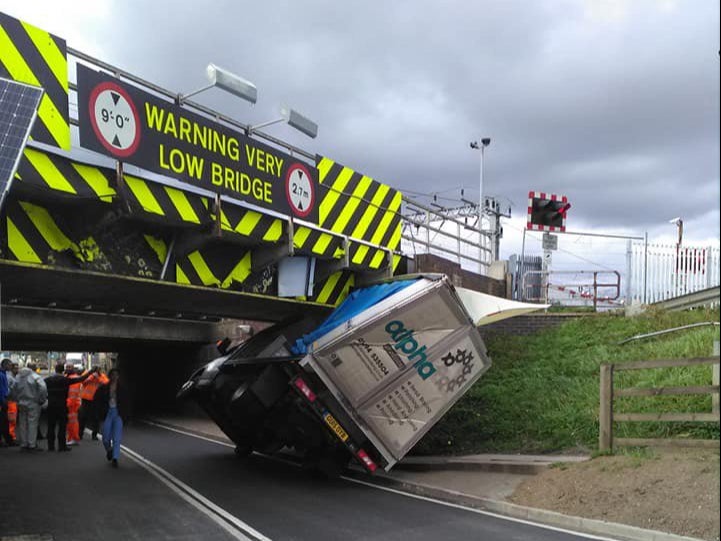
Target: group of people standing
[{"x": 73, "y": 402}]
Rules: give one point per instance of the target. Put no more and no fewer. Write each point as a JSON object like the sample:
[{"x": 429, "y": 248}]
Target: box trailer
[{"x": 367, "y": 383}]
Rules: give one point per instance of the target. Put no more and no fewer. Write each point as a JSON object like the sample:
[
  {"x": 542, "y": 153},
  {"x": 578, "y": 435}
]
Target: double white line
[
  {"x": 230, "y": 523},
  {"x": 218, "y": 514}
]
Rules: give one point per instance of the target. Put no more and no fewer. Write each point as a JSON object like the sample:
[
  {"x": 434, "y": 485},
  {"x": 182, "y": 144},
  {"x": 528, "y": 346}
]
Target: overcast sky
[{"x": 614, "y": 103}]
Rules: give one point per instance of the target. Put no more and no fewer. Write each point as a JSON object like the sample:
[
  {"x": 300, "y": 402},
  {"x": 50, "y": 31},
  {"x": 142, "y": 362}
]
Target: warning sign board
[
  {"x": 550, "y": 242},
  {"x": 129, "y": 124}
]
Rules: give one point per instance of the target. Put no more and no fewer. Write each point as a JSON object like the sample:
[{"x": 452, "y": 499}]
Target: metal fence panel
[
  {"x": 518, "y": 269},
  {"x": 663, "y": 271}
]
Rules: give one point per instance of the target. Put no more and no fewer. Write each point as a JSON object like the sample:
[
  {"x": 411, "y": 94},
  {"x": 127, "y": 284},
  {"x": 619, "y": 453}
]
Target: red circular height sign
[
  {"x": 299, "y": 190},
  {"x": 115, "y": 119}
]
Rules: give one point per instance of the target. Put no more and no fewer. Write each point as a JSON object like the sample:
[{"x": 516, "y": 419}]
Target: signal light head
[{"x": 547, "y": 212}]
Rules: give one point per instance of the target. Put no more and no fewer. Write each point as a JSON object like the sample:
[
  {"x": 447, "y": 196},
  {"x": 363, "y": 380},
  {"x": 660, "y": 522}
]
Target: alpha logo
[{"x": 406, "y": 343}]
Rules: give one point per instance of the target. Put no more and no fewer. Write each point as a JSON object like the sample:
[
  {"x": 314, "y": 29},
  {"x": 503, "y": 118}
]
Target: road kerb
[
  {"x": 458, "y": 465},
  {"x": 622, "y": 532}
]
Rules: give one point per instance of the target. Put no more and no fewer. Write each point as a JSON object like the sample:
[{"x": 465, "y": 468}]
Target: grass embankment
[{"x": 542, "y": 392}]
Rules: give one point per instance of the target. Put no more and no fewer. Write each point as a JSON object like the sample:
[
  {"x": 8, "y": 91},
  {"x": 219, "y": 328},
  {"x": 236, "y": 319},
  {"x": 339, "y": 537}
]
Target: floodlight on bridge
[
  {"x": 228, "y": 81},
  {"x": 294, "y": 119}
]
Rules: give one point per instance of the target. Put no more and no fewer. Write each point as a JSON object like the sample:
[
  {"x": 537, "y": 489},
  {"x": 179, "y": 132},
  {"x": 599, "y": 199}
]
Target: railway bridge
[{"x": 142, "y": 219}]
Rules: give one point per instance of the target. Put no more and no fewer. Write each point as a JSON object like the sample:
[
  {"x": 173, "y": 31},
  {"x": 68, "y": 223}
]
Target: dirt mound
[{"x": 671, "y": 491}]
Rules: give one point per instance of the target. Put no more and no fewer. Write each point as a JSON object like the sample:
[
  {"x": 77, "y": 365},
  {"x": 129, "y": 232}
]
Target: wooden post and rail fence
[{"x": 607, "y": 417}]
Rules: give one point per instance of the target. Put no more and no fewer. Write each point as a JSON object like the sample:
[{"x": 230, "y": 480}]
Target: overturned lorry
[{"x": 366, "y": 384}]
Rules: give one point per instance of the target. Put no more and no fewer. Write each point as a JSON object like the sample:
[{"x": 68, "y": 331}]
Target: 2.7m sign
[{"x": 137, "y": 127}]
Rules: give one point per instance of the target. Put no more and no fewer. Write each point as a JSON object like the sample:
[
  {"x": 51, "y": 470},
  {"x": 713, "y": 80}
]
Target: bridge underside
[
  {"x": 61, "y": 309},
  {"x": 161, "y": 331},
  {"x": 48, "y": 287}
]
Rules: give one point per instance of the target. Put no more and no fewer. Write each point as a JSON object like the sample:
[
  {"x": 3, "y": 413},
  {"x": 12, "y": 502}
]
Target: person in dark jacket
[
  {"x": 114, "y": 408},
  {"x": 58, "y": 385}
]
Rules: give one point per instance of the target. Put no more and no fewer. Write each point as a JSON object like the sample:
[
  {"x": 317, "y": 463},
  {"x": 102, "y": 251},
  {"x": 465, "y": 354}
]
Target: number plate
[{"x": 333, "y": 424}]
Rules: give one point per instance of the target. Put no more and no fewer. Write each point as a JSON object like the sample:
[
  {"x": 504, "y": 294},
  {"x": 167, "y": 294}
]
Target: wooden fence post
[
  {"x": 715, "y": 379},
  {"x": 605, "y": 415}
]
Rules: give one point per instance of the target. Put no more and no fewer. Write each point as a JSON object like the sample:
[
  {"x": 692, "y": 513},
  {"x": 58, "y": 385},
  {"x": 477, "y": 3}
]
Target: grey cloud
[{"x": 619, "y": 113}]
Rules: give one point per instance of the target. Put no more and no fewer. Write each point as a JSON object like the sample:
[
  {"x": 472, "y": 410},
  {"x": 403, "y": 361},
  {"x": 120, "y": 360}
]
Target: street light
[
  {"x": 480, "y": 145},
  {"x": 225, "y": 80},
  {"x": 294, "y": 119}
]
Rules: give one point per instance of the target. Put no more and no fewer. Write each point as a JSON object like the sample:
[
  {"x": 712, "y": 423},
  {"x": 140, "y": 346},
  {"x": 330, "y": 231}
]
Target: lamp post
[{"x": 481, "y": 145}]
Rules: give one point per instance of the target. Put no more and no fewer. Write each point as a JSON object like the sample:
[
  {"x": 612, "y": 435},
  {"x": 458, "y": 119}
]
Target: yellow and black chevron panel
[
  {"x": 31, "y": 55},
  {"x": 312, "y": 242},
  {"x": 46, "y": 170},
  {"x": 251, "y": 224},
  {"x": 61, "y": 237},
  {"x": 225, "y": 267},
  {"x": 334, "y": 289},
  {"x": 34, "y": 236},
  {"x": 356, "y": 205},
  {"x": 165, "y": 203},
  {"x": 365, "y": 256}
]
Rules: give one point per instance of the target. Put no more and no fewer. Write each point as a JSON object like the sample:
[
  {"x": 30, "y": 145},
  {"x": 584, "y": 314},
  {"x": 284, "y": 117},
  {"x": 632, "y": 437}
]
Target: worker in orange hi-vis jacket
[
  {"x": 12, "y": 418},
  {"x": 73, "y": 403},
  {"x": 88, "y": 409},
  {"x": 13, "y": 406}
]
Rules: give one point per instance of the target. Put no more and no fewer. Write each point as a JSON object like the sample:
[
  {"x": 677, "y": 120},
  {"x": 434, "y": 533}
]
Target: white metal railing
[
  {"x": 572, "y": 287},
  {"x": 660, "y": 271},
  {"x": 427, "y": 230}
]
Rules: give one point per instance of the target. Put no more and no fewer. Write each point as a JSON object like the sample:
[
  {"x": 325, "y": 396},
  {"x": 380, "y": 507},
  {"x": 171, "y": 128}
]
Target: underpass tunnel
[
  {"x": 155, "y": 355},
  {"x": 155, "y": 374}
]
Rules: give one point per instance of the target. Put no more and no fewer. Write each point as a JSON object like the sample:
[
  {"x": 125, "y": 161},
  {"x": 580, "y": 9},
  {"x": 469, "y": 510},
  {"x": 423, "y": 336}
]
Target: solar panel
[{"x": 18, "y": 109}]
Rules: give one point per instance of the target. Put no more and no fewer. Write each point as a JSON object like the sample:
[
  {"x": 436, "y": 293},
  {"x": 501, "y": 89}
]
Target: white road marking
[
  {"x": 230, "y": 523},
  {"x": 217, "y": 441},
  {"x": 186, "y": 433},
  {"x": 478, "y": 511},
  {"x": 408, "y": 494}
]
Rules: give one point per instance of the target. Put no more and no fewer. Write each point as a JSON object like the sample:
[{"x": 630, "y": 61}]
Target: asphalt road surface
[{"x": 173, "y": 486}]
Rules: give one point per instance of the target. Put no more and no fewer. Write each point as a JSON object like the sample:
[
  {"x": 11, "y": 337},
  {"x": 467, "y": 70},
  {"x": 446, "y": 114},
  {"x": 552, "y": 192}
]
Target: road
[{"x": 174, "y": 486}]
